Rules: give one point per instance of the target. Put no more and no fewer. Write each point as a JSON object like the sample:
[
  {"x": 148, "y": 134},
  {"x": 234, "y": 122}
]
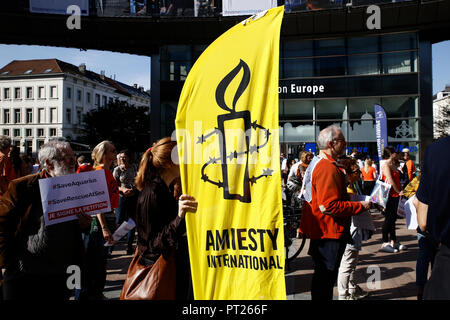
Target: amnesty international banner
[{"x": 228, "y": 146}]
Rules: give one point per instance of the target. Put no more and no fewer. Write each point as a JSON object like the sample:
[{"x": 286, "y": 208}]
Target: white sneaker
[
  {"x": 388, "y": 248},
  {"x": 399, "y": 246}
]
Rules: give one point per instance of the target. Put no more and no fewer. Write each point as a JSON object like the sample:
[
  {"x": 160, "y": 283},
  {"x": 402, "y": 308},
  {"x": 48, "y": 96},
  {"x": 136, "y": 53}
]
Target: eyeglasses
[{"x": 357, "y": 171}]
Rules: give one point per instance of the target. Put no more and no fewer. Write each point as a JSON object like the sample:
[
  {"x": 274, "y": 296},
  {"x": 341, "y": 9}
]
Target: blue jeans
[{"x": 425, "y": 257}]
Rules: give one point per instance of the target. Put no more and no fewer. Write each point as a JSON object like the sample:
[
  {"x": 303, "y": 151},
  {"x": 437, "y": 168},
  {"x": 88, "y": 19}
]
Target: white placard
[
  {"x": 121, "y": 231},
  {"x": 364, "y": 219},
  {"x": 411, "y": 214},
  {"x": 248, "y": 7},
  {"x": 65, "y": 196}
]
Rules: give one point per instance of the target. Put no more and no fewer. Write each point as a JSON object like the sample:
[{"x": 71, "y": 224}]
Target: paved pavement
[{"x": 396, "y": 270}]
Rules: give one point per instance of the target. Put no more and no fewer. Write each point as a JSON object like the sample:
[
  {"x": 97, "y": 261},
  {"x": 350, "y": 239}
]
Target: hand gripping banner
[{"x": 228, "y": 146}]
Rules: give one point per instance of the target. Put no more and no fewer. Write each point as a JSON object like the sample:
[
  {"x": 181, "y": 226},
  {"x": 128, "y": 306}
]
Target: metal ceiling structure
[{"x": 144, "y": 35}]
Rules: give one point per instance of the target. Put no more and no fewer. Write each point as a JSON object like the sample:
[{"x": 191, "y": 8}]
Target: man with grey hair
[
  {"x": 7, "y": 173},
  {"x": 35, "y": 256},
  {"x": 326, "y": 212}
]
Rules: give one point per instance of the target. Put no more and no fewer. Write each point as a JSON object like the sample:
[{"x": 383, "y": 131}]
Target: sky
[
  {"x": 127, "y": 68},
  {"x": 441, "y": 65},
  {"x": 131, "y": 69}
]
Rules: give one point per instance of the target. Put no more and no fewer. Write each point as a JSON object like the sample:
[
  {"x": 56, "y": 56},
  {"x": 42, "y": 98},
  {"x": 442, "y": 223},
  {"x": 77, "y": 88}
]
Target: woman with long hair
[
  {"x": 103, "y": 225},
  {"x": 160, "y": 213},
  {"x": 369, "y": 176},
  {"x": 391, "y": 175}
]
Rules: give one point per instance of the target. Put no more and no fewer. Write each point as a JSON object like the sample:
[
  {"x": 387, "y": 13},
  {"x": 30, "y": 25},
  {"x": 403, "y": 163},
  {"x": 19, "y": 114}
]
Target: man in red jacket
[{"x": 326, "y": 212}]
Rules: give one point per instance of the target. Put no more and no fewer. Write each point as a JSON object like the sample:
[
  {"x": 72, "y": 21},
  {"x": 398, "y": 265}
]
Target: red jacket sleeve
[{"x": 331, "y": 193}]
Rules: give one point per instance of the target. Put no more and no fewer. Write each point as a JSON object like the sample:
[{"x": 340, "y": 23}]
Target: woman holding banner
[
  {"x": 160, "y": 213},
  {"x": 391, "y": 175}
]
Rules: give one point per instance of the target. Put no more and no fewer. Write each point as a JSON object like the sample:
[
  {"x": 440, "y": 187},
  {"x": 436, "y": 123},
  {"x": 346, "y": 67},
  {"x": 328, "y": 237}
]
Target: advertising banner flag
[
  {"x": 64, "y": 197},
  {"x": 228, "y": 146},
  {"x": 381, "y": 130}
]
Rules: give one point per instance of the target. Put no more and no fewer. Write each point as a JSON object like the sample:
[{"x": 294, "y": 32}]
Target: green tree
[
  {"x": 443, "y": 124},
  {"x": 127, "y": 126}
]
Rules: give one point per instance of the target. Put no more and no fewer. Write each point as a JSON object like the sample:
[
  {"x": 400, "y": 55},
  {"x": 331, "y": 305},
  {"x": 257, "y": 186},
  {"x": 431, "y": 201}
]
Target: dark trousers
[
  {"x": 326, "y": 255},
  {"x": 97, "y": 255},
  {"x": 438, "y": 286},
  {"x": 368, "y": 187},
  {"x": 18, "y": 285},
  {"x": 390, "y": 217}
]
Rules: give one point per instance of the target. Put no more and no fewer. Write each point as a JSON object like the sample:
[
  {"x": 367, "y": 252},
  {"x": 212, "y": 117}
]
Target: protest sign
[
  {"x": 411, "y": 214},
  {"x": 65, "y": 196}
]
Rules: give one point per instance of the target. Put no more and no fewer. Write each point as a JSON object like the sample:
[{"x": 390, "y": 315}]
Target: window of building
[
  {"x": 399, "y": 62},
  {"x": 330, "y": 66},
  {"x": 292, "y": 49},
  {"x": 68, "y": 115},
  {"x": 6, "y": 93},
  {"x": 401, "y": 107},
  {"x": 53, "y": 115},
  {"x": 400, "y": 41},
  {"x": 29, "y": 116},
  {"x": 41, "y": 115},
  {"x": 53, "y": 92},
  {"x": 79, "y": 116},
  {"x": 329, "y": 47},
  {"x": 52, "y": 132},
  {"x": 41, "y": 92},
  {"x": 331, "y": 109},
  {"x": 28, "y": 146},
  {"x": 78, "y": 95},
  {"x": 363, "y": 64},
  {"x": 40, "y": 143},
  {"x": 6, "y": 132},
  {"x": 104, "y": 101},
  {"x": 298, "y": 68},
  {"x": 297, "y": 109},
  {"x": 28, "y": 132},
  {"x": 297, "y": 132},
  {"x": 357, "y": 45},
  {"x": 97, "y": 100},
  {"x": 68, "y": 93},
  {"x": 16, "y": 132},
  {"x": 40, "y": 132},
  {"x": 17, "y": 93},
  {"x": 29, "y": 92},
  {"x": 6, "y": 116},
  {"x": 88, "y": 97},
  {"x": 17, "y": 116}
]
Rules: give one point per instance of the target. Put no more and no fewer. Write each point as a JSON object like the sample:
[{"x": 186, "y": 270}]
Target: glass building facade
[{"x": 323, "y": 82}]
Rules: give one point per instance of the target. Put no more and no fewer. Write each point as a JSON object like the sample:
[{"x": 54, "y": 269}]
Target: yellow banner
[{"x": 228, "y": 145}]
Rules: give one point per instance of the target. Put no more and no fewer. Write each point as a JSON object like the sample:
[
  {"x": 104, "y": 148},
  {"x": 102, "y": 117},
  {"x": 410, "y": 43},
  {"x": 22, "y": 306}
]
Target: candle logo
[{"x": 234, "y": 159}]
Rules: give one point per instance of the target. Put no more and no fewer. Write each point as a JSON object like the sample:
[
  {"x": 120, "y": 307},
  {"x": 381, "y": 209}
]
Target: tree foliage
[
  {"x": 442, "y": 126},
  {"x": 127, "y": 126}
]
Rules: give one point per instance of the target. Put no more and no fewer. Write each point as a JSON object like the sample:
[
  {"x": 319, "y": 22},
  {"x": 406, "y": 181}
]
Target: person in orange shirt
[
  {"x": 369, "y": 176},
  {"x": 409, "y": 164},
  {"x": 6, "y": 168},
  {"x": 326, "y": 212}
]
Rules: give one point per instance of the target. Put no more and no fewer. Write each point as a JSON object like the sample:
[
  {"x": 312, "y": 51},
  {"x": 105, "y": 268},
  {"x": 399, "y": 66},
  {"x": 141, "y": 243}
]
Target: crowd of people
[
  {"x": 332, "y": 218},
  {"x": 34, "y": 257}
]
